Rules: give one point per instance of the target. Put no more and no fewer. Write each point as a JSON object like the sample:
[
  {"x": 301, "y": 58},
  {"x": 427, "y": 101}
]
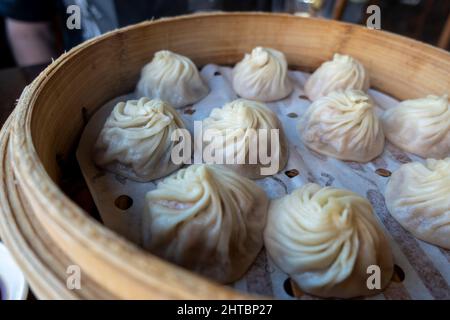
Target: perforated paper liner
[{"x": 426, "y": 268}]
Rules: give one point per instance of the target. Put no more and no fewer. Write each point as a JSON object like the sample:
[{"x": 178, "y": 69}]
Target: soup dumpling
[
  {"x": 135, "y": 141},
  {"x": 343, "y": 125},
  {"x": 236, "y": 134},
  {"x": 420, "y": 126},
  {"x": 325, "y": 239},
  {"x": 207, "y": 219},
  {"x": 172, "y": 78},
  {"x": 418, "y": 197}
]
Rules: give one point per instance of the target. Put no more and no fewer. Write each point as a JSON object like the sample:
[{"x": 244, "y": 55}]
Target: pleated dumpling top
[
  {"x": 208, "y": 219},
  {"x": 326, "y": 239},
  {"x": 418, "y": 196},
  {"x": 135, "y": 141},
  {"x": 341, "y": 73},
  {"x": 172, "y": 78},
  {"x": 262, "y": 76}
]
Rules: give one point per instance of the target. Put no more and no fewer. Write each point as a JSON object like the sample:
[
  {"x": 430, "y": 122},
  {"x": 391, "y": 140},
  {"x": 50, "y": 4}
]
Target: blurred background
[{"x": 34, "y": 31}]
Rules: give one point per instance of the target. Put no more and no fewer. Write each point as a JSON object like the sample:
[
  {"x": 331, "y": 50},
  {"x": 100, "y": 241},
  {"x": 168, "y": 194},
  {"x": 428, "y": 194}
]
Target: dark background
[
  {"x": 424, "y": 21},
  {"x": 6, "y": 59}
]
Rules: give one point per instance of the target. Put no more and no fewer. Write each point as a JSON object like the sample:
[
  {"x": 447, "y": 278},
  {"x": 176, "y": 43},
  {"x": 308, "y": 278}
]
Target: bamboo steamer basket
[{"x": 47, "y": 231}]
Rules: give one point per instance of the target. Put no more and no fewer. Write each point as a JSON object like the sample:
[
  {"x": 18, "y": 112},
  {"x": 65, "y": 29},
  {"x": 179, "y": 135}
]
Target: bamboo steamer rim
[
  {"x": 9, "y": 230},
  {"x": 26, "y": 240},
  {"x": 61, "y": 216}
]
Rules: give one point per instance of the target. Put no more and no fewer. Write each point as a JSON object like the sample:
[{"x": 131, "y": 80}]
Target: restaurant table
[{"x": 12, "y": 82}]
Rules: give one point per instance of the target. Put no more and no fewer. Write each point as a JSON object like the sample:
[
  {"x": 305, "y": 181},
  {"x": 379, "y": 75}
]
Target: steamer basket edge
[
  {"x": 123, "y": 267},
  {"x": 28, "y": 242}
]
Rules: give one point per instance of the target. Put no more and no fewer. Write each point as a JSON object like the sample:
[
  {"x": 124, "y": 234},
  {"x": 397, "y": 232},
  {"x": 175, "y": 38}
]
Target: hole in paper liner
[
  {"x": 292, "y": 115},
  {"x": 292, "y": 173},
  {"x": 123, "y": 202},
  {"x": 291, "y": 288},
  {"x": 288, "y": 287},
  {"x": 383, "y": 172},
  {"x": 189, "y": 111},
  {"x": 398, "y": 275},
  {"x": 217, "y": 73}
]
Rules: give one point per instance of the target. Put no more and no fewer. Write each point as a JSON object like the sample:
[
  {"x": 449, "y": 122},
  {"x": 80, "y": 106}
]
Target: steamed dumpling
[
  {"x": 420, "y": 126},
  {"x": 343, "y": 125},
  {"x": 237, "y": 124},
  {"x": 418, "y": 196},
  {"x": 135, "y": 140},
  {"x": 172, "y": 78},
  {"x": 262, "y": 76},
  {"x": 325, "y": 239},
  {"x": 208, "y": 219},
  {"x": 341, "y": 73}
]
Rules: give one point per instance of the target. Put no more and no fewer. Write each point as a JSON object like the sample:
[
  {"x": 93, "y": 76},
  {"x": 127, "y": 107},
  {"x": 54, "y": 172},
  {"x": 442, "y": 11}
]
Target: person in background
[{"x": 37, "y": 30}]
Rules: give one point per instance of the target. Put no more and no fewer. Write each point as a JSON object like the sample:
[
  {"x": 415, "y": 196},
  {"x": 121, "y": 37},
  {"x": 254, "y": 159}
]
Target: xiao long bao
[
  {"x": 420, "y": 126},
  {"x": 343, "y": 72},
  {"x": 236, "y": 134},
  {"x": 343, "y": 125},
  {"x": 262, "y": 76},
  {"x": 418, "y": 196},
  {"x": 172, "y": 78},
  {"x": 326, "y": 239},
  {"x": 208, "y": 219},
  {"x": 135, "y": 140}
]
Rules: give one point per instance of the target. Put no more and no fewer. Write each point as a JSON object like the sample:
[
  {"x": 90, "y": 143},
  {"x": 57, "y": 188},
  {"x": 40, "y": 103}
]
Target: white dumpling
[
  {"x": 418, "y": 196},
  {"x": 237, "y": 124},
  {"x": 135, "y": 141},
  {"x": 343, "y": 125},
  {"x": 325, "y": 239},
  {"x": 172, "y": 78},
  {"x": 341, "y": 73},
  {"x": 262, "y": 76},
  {"x": 420, "y": 126},
  {"x": 208, "y": 219}
]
